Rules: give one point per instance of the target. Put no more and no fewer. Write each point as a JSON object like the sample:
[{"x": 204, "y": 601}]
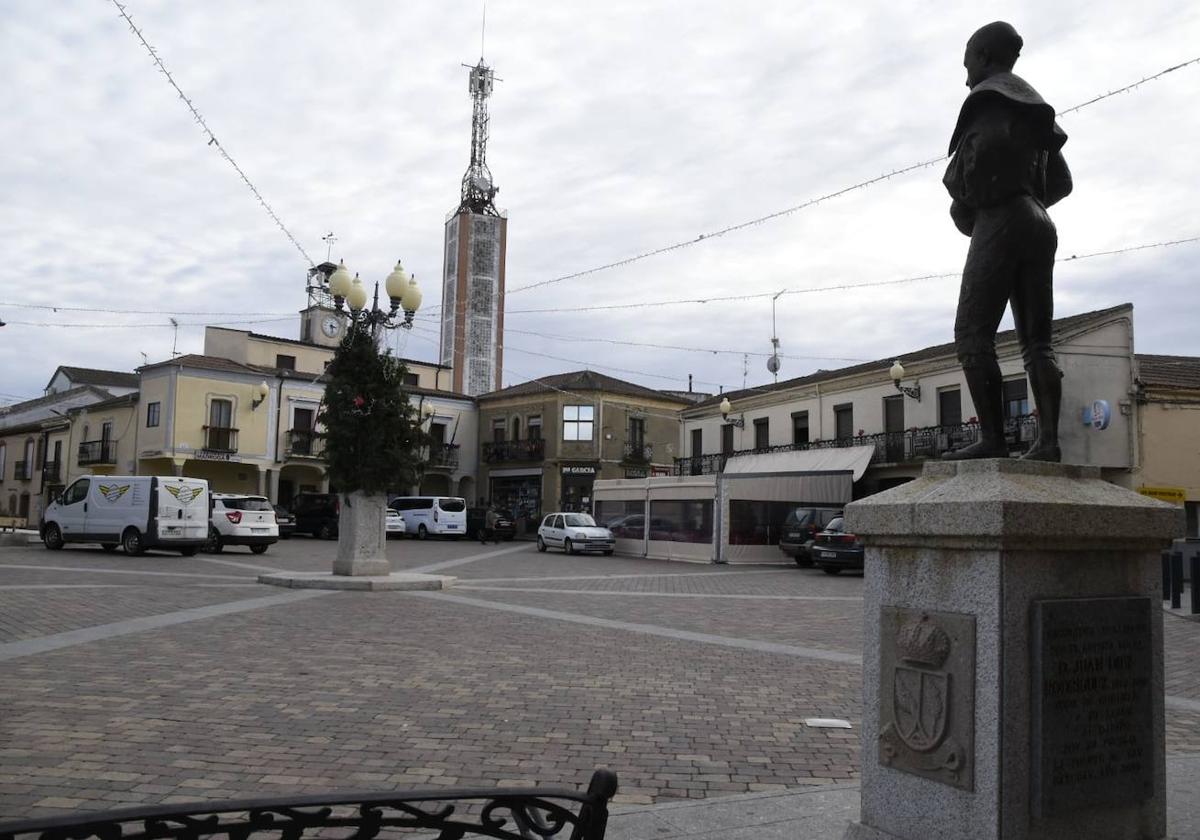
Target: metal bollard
[
  {"x": 1166, "y": 569},
  {"x": 1176, "y": 579},
  {"x": 1195, "y": 564}
]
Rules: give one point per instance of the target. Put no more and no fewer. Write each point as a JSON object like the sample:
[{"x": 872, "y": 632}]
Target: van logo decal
[
  {"x": 112, "y": 492},
  {"x": 185, "y": 495}
]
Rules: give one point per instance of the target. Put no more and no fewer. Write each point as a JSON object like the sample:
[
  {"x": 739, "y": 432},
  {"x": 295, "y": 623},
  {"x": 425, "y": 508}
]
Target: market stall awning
[{"x": 853, "y": 458}]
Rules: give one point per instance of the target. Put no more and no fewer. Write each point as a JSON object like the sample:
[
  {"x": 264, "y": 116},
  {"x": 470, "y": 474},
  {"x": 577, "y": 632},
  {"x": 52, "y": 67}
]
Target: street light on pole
[{"x": 401, "y": 288}]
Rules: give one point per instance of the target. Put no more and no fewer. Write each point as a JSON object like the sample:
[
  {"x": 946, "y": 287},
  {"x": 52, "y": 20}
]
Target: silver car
[{"x": 574, "y": 532}]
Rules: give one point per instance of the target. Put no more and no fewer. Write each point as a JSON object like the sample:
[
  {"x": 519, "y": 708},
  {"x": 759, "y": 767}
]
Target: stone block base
[{"x": 399, "y": 581}]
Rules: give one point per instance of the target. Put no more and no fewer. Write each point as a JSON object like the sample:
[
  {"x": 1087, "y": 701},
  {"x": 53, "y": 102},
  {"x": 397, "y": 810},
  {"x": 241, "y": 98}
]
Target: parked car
[
  {"x": 574, "y": 532},
  {"x": 286, "y": 521},
  {"x": 394, "y": 525},
  {"x": 317, "y": 514},
  {"x": 134, "y": 512},
  {"x": 433, "y": 515},
  {"x": 836, "y": 549},
  {"x": 238, "y": 519},
  {"x": 505, "y": 529},
  {"x": 800, "y": 529}
]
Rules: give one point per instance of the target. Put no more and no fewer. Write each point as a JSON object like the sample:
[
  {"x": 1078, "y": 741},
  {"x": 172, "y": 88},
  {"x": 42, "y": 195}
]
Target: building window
[
  {"x": 535, "y": 427},
  {"x": 220, "y": 415},
  {"x": 3, "y": 459},
  {"x": 1016, "y": 398},
  {"x": 412, "y": 380},
  {"x": 285, "y": 362},
  {"x": 637, "y": 431},
  {"x": 106, "y": 429},
  {"x": 727, "y": 439},
  {"x": 577, "y": 422},
  {"x": 762, "y": 433},
  {"x": 498, "y": 430},
  {"x": 843, "y": 421},
  {"x": 152, "y": 412},
  {"x": 799, "y": 428},
  {"x": 697, "y": 442},
  {"x": 516, "y": 428},
  {"x": 950, "y": 407}
]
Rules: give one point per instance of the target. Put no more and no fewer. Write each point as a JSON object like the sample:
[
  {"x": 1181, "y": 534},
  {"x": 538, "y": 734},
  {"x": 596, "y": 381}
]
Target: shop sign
[
  {"x": 577, "y": 469},
  {"x": 213, "y": 455},
  {"x": 1097, "y": 415},
  {"x": 637, "y": 472},
  {"x": 1174, "y": 495}
]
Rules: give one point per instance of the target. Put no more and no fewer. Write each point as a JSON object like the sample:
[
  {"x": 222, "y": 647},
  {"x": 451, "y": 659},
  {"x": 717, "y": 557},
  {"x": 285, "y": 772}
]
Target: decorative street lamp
[
  {"x": 897, "y": 373},
  {"x": 401, "y": 289},
  {"x": 726, "y": 408}
]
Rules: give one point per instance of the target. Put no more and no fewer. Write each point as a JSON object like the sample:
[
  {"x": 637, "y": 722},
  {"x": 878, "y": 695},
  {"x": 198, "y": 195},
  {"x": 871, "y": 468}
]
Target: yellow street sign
[{"x": 1174, "y": 495}]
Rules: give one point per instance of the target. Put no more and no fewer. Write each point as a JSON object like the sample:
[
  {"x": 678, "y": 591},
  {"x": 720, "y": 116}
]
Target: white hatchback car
[
  {"x": 395, "y": 525},
  {"x": 241, "y": 520},
  {"x": 574, "y": 532}
]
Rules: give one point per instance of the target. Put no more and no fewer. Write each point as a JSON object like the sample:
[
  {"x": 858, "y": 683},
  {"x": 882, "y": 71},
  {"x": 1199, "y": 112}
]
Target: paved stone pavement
[{"x": 163, "y": 678}]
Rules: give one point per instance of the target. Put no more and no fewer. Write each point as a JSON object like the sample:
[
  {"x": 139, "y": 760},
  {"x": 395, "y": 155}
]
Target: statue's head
[{"x": 992, "y": 49}]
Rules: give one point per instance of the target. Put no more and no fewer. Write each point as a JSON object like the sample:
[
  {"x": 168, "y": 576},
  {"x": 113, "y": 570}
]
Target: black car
[
  {"x": 800, "y": 530},
  {"x": 505, "y": 529},
  {"x": 317, "y": 514},
  {"x": 836, "y": 549},
  {"x": 286, "y": 521}
]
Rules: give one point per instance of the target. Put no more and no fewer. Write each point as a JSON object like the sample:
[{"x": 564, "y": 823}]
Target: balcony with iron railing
[
  {"x": 52, "y": 472},
  {"x": 442, "y": 456},
  {"x": 222, "y": 439},
  {"x": 638, "y": 452},
  {"x": 97, "y": 452},
  {"x": 23, "y": 471},
  {"x": 910, "y": 446},
  {"x": 496, "y": 452},
  {"x": 305, "y": 443}
]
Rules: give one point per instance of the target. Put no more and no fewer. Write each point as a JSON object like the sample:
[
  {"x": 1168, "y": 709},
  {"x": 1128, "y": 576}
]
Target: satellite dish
[{"x": 773, "y": 364}]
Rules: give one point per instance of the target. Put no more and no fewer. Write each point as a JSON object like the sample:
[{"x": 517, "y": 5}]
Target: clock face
[{"x": 330, "y": 326}]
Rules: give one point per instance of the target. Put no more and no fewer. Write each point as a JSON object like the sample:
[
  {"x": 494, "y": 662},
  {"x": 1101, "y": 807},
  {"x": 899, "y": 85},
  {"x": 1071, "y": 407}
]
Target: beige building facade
[
  {"x": 543, "y": 443},
  {"x": 1168, "y": 410}
]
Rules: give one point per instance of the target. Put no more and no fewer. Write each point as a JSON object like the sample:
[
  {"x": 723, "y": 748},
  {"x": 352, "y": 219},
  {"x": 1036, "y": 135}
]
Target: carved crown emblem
[{"x": 923, "y": 642}]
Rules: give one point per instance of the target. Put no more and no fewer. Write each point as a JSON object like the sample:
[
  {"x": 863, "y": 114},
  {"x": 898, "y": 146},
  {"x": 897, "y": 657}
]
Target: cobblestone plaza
[{"x": 160, "y": 678}]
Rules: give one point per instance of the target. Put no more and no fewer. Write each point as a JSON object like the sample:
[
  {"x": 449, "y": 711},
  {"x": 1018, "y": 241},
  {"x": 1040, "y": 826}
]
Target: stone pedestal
[
  {"x": 1012, "y": 668},
  {"x": 362, "y": 536}
]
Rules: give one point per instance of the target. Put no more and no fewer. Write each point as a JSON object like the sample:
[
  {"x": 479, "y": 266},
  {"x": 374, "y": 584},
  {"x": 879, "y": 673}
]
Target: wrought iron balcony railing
[
  {"x": 221, "y": 439},
  {"x": 97, "y": 452},
  {"x": 442, "y": 456},
  {"x": 52, "y": 472},
  {"x": 514, "y": 450},
  {"x": 638, "y": 452},
  {"x": 916, "y": 444},
  {"x": 304, "y": 443},
  {"x": 504, "y": 813},
  {"x": 23, "y": 471}
]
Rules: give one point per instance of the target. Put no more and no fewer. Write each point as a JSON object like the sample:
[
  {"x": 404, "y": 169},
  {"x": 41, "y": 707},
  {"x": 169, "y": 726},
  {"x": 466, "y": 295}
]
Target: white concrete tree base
[
  {"x": 361, "y": 561},
  {"x": 362, "y": 536}
]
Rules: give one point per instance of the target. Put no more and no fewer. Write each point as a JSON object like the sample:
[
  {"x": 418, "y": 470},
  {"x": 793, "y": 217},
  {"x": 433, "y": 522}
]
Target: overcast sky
[{"x": 617, "y": 128}]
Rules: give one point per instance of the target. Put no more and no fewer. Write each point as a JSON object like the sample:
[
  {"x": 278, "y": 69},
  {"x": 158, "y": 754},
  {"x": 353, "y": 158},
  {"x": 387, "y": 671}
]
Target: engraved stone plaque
[
  {"x": 1093, "y": 719},
  {"x": 927, "y": 694}
]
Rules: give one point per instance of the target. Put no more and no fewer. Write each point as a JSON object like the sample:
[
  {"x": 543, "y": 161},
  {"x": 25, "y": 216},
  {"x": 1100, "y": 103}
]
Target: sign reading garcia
[{"x": 578, "y": 469}]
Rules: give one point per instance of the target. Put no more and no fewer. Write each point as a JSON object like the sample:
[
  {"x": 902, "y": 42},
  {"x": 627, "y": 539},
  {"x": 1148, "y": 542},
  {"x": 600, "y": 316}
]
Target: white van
[
  {"x": 134, "y": 511},
  {"x": 439, "y": 515}
]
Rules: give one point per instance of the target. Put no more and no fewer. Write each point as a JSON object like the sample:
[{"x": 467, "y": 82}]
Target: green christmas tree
[{"x": 372, "y": 434}]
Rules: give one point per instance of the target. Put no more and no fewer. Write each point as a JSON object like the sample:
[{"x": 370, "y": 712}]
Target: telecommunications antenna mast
[{"x": 773, "y": 362}]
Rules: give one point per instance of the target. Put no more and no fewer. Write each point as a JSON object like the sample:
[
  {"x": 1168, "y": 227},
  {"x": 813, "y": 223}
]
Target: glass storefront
[
  {"x": 518, "y": 495},
  {"x": 577, "y": 481}
]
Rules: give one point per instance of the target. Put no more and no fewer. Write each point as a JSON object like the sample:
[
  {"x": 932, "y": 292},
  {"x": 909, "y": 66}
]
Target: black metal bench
[{"x": 506, "y": 814}]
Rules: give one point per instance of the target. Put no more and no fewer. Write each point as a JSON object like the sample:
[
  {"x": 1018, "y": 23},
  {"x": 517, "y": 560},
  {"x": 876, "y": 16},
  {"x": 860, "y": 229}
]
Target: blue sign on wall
[{"x": 1099, "y": 415}]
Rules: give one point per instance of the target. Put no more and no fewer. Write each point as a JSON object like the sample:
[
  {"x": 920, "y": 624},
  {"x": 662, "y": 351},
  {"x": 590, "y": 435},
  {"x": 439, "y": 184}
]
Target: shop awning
[{"x": 853, "y": 458}]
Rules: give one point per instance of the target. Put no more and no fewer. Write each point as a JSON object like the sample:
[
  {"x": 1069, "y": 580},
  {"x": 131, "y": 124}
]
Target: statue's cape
[{"x": 1017, "y": 91}]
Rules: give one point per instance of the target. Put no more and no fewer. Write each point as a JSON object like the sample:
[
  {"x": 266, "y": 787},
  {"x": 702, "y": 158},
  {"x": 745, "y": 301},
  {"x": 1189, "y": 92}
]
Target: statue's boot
[
  {"x": 1045, "y": 379},
  {"x": 985, "y": 385}
]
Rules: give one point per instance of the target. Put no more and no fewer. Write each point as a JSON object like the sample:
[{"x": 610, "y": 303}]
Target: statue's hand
[{"x": 963, "y": 216}]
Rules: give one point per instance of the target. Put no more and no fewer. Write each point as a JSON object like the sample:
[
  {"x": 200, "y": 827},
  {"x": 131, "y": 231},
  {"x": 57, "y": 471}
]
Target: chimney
[{"x": 689, "y": 383}]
